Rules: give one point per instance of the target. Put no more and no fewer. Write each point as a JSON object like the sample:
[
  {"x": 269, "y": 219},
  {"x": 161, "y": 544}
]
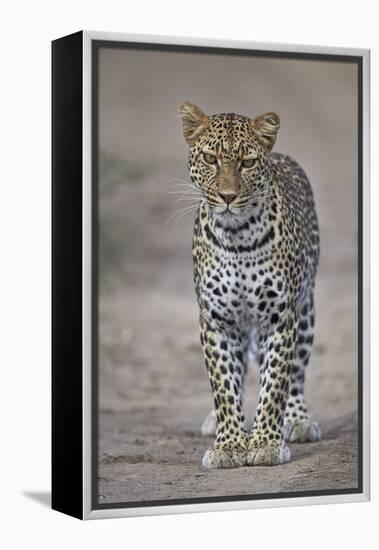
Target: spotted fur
[{"x": 255, "y": 251}]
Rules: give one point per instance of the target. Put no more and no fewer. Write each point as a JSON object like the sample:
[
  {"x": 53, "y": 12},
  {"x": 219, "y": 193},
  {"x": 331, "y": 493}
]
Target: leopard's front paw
[
  {"x": 224, "y": 457},
  {"x": 301, "y": 431},
  {"x": 267, "y": 454}
]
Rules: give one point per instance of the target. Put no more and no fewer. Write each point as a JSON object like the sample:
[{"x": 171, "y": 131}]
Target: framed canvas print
[{"x": 210, "y": 275}]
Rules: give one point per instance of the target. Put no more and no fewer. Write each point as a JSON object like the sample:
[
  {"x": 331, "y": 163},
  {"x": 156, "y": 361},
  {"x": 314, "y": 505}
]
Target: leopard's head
[{"x": 229, "y": 157}]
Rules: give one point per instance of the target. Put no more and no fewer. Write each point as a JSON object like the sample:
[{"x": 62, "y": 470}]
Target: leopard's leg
[
  {"x": 277, "y": 347},
  {"x": 209, "y": 425},
  {"x": 224, "y": 358},
  {"x": 298, "y": 427}
]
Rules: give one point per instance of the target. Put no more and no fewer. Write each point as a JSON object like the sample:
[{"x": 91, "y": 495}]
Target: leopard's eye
[
  {"x": 210, "y": 159},
  {"x": 248, "y": 163}
]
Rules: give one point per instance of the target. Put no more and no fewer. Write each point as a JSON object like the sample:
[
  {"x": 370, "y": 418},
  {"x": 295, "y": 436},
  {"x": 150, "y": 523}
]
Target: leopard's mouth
[
  {"x": 227, "y": 213},
  {"x": 222, "y": 209},
  {"x": 228, "y": 209}
]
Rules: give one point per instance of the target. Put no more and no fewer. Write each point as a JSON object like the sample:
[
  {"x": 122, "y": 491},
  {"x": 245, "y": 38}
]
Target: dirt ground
[{"x": 154, "y": 391}]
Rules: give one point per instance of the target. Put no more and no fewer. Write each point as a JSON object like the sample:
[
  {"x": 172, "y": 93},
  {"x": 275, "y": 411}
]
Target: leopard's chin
[
  {"x": 228, "y": 217},
  {"x": 223, "y": 214}
]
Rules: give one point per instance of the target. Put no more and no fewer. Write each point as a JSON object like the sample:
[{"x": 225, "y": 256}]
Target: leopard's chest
[{"x": 240, "y": 290}]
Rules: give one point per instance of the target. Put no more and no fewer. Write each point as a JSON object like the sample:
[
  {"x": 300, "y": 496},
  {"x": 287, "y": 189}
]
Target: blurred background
[{"x": 154, "y": 390}]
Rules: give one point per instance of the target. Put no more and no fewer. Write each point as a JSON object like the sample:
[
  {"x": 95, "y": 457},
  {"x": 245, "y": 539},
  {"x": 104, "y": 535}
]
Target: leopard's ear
[
  {"x": 266, "y": 127},
  {"x": 194, "y": 121}
]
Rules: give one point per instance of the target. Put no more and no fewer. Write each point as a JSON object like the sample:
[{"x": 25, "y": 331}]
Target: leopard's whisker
[
  {"x": 179, "y": 179},
  {"x": 182, "y": 183},
  {"x": 185, "y": 189},
  {"x": 187, "y": 199},
  {"x": 183, "y": 214},
  {"x": 182, "y": 211},
  {"x": 186, "y": 193},
  {"x": 179, "y": 185}
]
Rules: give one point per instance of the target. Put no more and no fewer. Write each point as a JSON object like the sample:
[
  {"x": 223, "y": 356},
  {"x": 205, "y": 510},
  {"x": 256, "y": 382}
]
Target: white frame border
[{"x": 88, "y": 512}]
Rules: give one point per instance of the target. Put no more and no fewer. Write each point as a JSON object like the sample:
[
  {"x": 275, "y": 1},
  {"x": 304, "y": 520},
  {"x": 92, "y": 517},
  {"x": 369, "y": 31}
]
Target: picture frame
[{"x": 77, "y": 120}]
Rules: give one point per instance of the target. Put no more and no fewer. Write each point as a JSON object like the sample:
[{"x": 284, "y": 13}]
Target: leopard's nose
[{"x": 228, "y": 197}]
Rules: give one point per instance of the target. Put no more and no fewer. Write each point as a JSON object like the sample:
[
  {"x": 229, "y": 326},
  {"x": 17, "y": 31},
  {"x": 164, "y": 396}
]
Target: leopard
[{"x": 256, "y": 246}]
